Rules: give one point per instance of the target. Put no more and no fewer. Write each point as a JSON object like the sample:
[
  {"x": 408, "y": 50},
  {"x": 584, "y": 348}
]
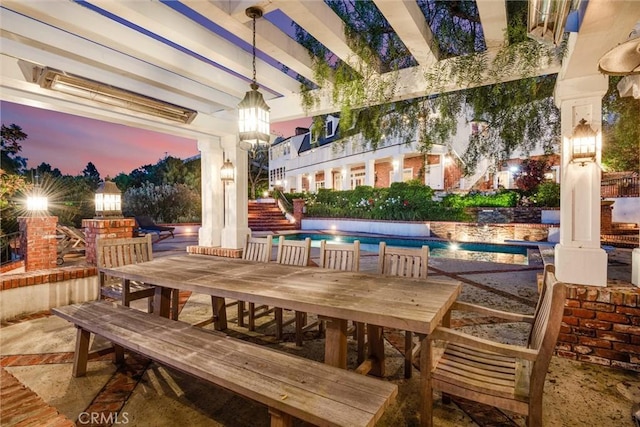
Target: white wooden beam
[
  {"x": 269, "y": 38},
  {"x": 325, "y": 25},
  {"x": 493, "y": 17},
  {"x": 171, "y": 25},
  {"x": 409, "y": 23},
  {"x": 105, "y": 35}
]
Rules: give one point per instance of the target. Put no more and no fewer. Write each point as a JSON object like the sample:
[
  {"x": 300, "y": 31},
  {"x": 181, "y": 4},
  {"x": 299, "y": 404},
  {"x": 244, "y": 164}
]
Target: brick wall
[
  {"x": 96, "y": 228},
  {"x": 383, "y": 171},
  {"x": 38, "y": 242},
  {"x": 215, "y": 251},
  {"x": 20, "y": 280},
  {"x": 602, "y": 326}
]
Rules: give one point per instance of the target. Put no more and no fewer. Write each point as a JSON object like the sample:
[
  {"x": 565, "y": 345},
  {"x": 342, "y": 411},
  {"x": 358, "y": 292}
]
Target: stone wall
[
  {"x": 602, "y": 326},
  {"x": 491, "y": 233}
]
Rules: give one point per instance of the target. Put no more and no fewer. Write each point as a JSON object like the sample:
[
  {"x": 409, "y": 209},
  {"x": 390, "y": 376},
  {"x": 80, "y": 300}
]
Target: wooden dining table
[{"x": 416, "y": 305}]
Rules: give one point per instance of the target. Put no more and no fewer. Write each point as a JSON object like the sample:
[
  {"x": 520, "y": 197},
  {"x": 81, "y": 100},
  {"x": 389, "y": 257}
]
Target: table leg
[
  {"x": 375, "y": 348},
  {"x": 162, "y": 302},
  {"x": 335, "y": 346},
  {"x": 426, "y": 398},
  {"x": 219, "y": 313}
]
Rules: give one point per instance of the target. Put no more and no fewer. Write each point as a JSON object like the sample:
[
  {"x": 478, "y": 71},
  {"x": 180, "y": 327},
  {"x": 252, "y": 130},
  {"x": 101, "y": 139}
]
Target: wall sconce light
[
  {"x": 227, "y": 172},
  {"x": 396, "y": 165},
  {"x": 253, "y": 121},
  {"x": 108, "y": 200},
  {"x": 583, "y": 143}
]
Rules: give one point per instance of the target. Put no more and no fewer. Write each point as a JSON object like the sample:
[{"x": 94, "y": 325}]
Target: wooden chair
[
  {"x": 404, "y": 262},
  {"x": 255, "y": 249},
  {"x": 506, "y": 376},
  {"x": 124, "y": 251},
  {"x": 292, "y": 252}
]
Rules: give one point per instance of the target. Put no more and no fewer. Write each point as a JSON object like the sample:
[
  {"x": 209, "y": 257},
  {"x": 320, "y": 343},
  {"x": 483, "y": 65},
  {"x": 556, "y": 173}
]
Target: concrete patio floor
[{"x": 36, "y": 355}]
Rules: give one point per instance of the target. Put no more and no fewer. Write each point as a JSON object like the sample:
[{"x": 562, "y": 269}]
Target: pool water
[{"x": 489, "y": 252}]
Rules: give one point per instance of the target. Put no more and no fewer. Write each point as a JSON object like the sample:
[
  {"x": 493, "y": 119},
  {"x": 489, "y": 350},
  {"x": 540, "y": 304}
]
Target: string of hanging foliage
[{"x": 518, "y": 115}]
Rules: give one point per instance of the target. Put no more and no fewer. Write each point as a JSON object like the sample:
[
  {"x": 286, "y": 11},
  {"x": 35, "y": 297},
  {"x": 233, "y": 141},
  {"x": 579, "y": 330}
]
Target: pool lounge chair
[{"x": 147, "y": 226}]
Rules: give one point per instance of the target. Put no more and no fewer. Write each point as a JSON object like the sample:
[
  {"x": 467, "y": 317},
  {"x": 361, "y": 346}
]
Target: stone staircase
[{"x": 268, "y": 217}]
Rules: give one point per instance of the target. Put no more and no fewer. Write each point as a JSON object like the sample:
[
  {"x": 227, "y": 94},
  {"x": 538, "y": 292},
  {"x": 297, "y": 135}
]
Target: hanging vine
[{"x": 519, "y": 114}]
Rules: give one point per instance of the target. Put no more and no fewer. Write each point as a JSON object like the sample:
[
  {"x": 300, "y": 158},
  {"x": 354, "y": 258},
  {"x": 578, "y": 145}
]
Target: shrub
[
  {"x": 548, "y": 195},
  {"x": 501, "y": 199},
  {"x": 164, "y": 203}
]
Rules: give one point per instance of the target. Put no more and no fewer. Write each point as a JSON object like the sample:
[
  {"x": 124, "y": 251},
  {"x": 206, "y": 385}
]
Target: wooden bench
[{"x": 289, "y": 385}]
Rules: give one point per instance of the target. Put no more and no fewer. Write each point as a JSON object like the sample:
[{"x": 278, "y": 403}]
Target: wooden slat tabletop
[{"x": 416, "y": 305}]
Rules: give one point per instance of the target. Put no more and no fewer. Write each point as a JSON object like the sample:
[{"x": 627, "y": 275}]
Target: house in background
[{"x": 304, "y": 163}]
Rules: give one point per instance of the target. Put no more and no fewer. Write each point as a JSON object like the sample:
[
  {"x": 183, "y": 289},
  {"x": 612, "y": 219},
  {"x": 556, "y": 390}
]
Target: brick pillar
[
  {"x": 110, "y": 228},
  {"x": 606, "y": 217},
  {"x": 298, "y": 211},
  {"x": 38, "y": 242}
]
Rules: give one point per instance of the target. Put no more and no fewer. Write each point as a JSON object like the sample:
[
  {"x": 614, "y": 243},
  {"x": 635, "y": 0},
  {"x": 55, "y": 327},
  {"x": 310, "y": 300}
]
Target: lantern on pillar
[
  {"x": 227, "y": 172},
  {"x": 37, "y": 202},
  {"x": 583, "y": 143},
  {"x": 108, "y": 200}
]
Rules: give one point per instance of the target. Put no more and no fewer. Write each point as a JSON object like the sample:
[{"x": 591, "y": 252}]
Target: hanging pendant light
[{"x": 253, "y": 122}]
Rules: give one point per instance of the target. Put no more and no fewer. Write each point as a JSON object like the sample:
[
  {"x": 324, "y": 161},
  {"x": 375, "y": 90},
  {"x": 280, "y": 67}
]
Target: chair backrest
[
  {"x": 124, "y": 251},
  {"x": 340, "y": 256},
  {"x": 546, "y": 327},
  {"x": 144, "y": 221},
  {"x": 404, "y": 262},
  {"x": 258, "y": 248},
  {"x": 294, "y": 252}
]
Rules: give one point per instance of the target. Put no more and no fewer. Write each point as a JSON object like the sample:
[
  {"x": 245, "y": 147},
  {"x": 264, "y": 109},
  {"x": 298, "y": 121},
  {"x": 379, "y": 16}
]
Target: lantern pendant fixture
[
  {"x": 108, "y": 200},
  {"x": 227, "y": 172},
  {"x": 583, "y": 144},
  {"x": 253, "y": 122}
]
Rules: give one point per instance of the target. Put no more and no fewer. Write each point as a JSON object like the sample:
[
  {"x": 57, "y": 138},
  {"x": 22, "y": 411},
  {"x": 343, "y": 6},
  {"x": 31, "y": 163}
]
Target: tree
[
  {"x": 10, "y": 147},
  {"x": 621, "y": 130},
  {"x": 91, "y": 174},
  {"x": 258, "y": 169},
  {"x": 531, "y": 174}
]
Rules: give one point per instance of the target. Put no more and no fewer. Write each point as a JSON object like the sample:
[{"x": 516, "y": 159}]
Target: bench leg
[
  {"x": 118, "y": 353},
  {"x": 219, "y": 313},
  {"x": 175, "y": 304},
  {"x": 82, "y": 353},
  {"x": 162, "y": 302},
  {"x": 280, "y": 419}
]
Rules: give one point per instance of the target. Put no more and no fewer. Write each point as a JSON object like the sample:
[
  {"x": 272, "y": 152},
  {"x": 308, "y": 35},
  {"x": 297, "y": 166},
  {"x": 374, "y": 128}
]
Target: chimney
[{"x": 301, "y": 131}]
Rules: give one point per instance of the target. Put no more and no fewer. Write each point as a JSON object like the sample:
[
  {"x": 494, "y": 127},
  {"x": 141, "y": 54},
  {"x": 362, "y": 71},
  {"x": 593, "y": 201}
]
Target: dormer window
[{"x": 330, "y": 128}]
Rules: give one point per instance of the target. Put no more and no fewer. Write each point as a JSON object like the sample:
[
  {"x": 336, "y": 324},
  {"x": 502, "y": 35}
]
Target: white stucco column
[
  {"x": 210, "y": 164},
  {"x": 398, "y": 165},
  {"x": 370, "y": 172},
  {"x": 299, "y": 183},
  {"x": 236, "y": 222},
  {"x": 346, "y": 177},
  {"x": 312, "y": 181},
  {"x": 579, "y": 258},
  {"x": 328, "y": 178}
]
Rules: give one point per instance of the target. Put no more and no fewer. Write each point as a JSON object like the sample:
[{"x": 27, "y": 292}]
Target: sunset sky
[{"x": 69, "y": 142}]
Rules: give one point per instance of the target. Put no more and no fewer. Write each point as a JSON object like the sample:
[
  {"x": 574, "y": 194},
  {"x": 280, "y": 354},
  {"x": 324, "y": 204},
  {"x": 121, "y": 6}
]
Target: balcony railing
[
  {"x": 620, "y": 187},
  {"x": 10, "y": 248}
]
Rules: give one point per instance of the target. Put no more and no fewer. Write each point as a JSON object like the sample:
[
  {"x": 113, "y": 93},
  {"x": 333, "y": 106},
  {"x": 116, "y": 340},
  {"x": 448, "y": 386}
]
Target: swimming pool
[{"x": 489, "y": 252}]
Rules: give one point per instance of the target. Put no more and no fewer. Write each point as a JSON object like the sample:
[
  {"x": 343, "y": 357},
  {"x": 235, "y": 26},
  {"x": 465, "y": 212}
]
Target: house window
[
  {"x": 357, "y": 178},
  {"x": 407, "y": 174},
  {"x": 330, "y": 130},
  {"x": 319, "y": 184}
]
